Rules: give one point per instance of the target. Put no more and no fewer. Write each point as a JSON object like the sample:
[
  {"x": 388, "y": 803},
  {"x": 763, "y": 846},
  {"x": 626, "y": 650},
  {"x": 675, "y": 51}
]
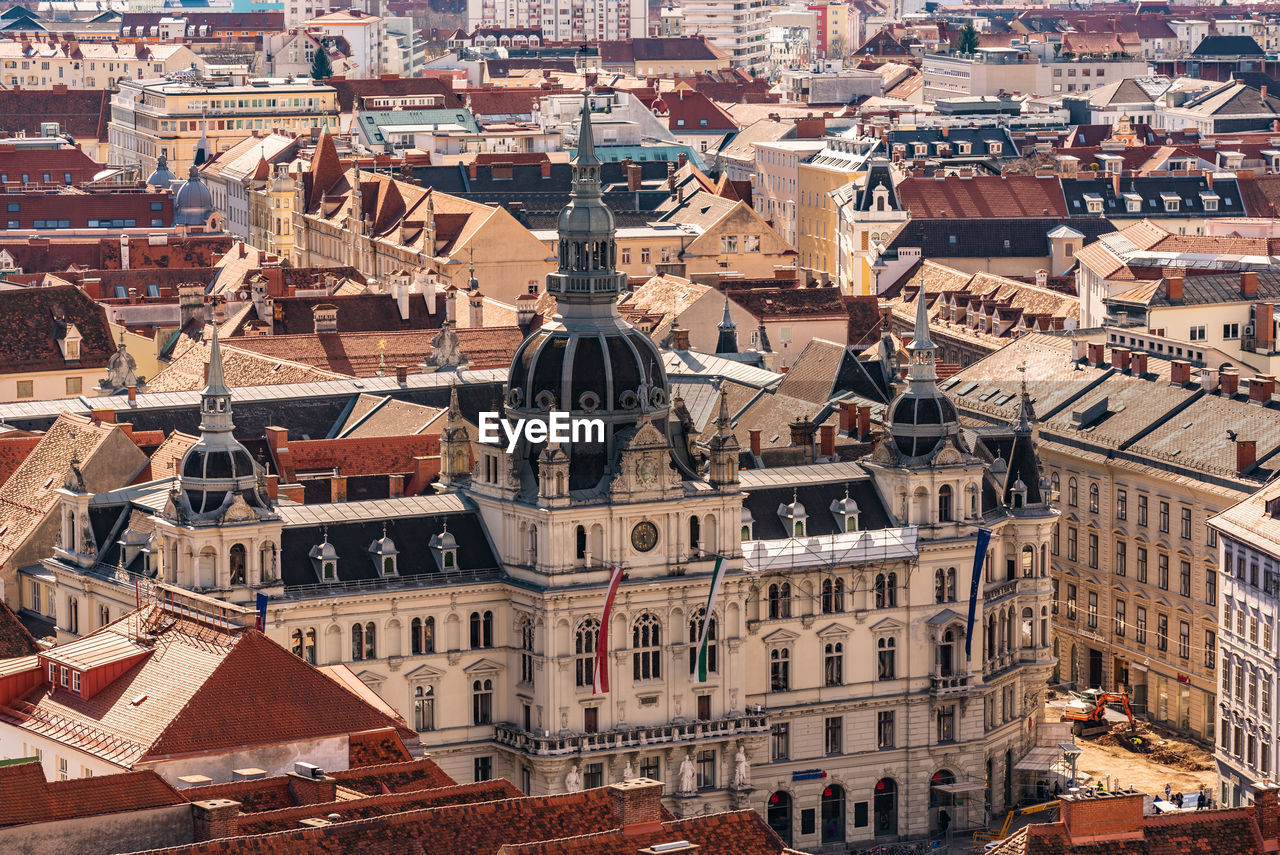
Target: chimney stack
[
  {"x": 827, "y": 440},
  {"x": 1228, "y": 381},
  {"x": 402, "y": 374},
  {"x": 1246, "y": 455},
  {"x": 848, "y": 417},
  {"x": 338, "y": 489},
  {"x": 1120, "y": 358},
  {"x": 1266, "y": 810},
  {"x": 1249, "y": 283},
  {"x": 1179, "y": 372},
  {"x": 679, "y": 338},
  {"x": 1261, "y": 388},
  {"x": 864, "y": 423},
  {"x": 754, "y": 433},
  {"x": 1174, "y": 287},
  {"x": 1138, "y": 364},
  {"x": 477, "y": 310},
  {"x": 1098, "y": 354},
  {"x": 1264, "y": 325}
]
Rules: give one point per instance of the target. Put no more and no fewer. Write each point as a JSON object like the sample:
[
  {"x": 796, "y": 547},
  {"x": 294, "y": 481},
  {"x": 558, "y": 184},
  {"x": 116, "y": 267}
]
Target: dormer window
[
  {"x": 445, "y": 546},
  {"x": 1093, "y": 202},
  {"x": 748, "y": 525},
  {"x": 1132, "y": 203},
  {"x": 994, "y": 148},
  {"x": 1210, "y": 200},
  {"x": 325, "y": 560},
  {"x": 1172, "y": 203},
  {"x": 794, "y": 517},
  {"x": 846, "y": 512},
  {"x": 75, "y": 682},
  {"x": 965, "y": 148},
  {"x": 71, "y": 344},
  {"x": 384, "y": 554},
  {"x": 921, "y": 149}
]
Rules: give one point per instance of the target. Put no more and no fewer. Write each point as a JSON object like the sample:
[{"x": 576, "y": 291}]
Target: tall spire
[
  {"x": 923, "y": 370},
  {"x": 1026, "y": 412},
  {"x": 728, "y": 339},
  {"x": 215, "y": 400},
  {"x": 586, "y": 139}
]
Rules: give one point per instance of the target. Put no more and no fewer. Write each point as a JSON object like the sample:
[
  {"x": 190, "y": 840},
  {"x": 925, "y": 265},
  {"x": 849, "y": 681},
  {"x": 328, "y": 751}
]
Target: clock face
[{"x": 644, "y": 536}]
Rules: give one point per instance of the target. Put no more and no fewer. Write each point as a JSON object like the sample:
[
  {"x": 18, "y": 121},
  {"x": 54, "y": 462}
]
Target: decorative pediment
[
  {"x": 239, "y": 511},
  {"x": 834, "y": 630},
  {"x": 424, "y": 674},
  {"x": 484, "y": 666},
  {"x": 948, "y": 456},
  {"x": 887, "y": 625},
  {"x": 780, "y": 636},
  {"x": 943, "y": 618},
  {"x": 372, "y": 679}
]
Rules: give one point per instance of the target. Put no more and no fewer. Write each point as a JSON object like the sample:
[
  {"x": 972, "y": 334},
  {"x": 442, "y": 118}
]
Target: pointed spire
[
  {"x": 217, "y": 384},
  {"x": 726, "y": 322},
  {"x": 727, "y": 342},
  {"x": 921, "y": 339},
  {"x": 215, "y": 400},
  {"x": 1026, "y": 412},
  {"x": 586, "y": 139}
]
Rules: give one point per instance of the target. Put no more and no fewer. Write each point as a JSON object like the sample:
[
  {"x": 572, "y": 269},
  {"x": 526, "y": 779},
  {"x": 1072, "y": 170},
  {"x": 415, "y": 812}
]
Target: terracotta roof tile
[
  {"x": 15, "y": 640},
  {"x": 983, "y": 196},
  {"x": 26, "y": 797}
]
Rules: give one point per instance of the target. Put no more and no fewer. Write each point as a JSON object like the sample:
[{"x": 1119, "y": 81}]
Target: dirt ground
[{"x": 1172, "y": 760}]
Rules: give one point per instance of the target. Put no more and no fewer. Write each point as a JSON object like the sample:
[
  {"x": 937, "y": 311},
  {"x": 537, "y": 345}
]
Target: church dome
[
  {"x": 162, "y": 176},
  {"x": 193, "y": 203},
  {"x": 562, "y": 360},
  {"x": 585, "y": 219},
  {"x": 922, "y": 416}
]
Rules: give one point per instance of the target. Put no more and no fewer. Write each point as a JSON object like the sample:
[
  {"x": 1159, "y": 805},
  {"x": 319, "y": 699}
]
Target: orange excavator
[{"x": 1091, "y": 718}]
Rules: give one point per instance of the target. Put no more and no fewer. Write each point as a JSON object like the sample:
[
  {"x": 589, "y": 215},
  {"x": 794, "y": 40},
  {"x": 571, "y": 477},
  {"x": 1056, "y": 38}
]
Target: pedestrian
[
  {"x": 1167, "y": 791},
  {"x": 1057, "y": 789}
]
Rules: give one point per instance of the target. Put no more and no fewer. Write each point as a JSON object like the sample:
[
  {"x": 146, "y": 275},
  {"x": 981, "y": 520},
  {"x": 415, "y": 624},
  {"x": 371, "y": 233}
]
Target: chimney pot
[
  {"x": 1228, "y": 381},
  {"x": 1179, "y": 372},
  {"x": 1246, "y": 455}
]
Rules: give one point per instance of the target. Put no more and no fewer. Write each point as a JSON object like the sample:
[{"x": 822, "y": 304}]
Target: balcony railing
[
  {"x": 999, "y": 592},
  {"x": 952, "y": 685},
  {"x": 631, "y": 737}
]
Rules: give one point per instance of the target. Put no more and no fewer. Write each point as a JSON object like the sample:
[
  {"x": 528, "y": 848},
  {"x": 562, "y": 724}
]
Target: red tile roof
[
  {"x": 983, "y": 197},
  {"x": 420, "y": 774},
  {"x": 58, "y": 162},
  {"x": 742, "y": 832},
  {"x": 14, "y": 450},
  {"x": 26, "y": 797},
  {"x": 15, "y": 640},
  {"x": 686, "y": 110},
  {"x": 391, "y": 455},
  {"x": 82, "y": 113},
  {"x": 34, "y": 320}
]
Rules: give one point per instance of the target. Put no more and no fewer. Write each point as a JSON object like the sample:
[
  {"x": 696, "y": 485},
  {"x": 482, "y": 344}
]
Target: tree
[
  {"x": 321, "y": 68},
  {"x": 968, "y": 39}
]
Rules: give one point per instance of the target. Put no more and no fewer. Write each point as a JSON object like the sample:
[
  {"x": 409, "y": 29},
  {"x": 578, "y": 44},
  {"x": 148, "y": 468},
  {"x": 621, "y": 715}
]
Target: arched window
[
  {"x": 886, "y": 590},
  {"x": 944, "y": 585},
  {"x": 946, "y": 654},
  {"x": 695, "y": 535},
  {"x": 780, "y": 600},
  {"x": 886, "y": 655},
  {"x": 423, "y": 631},
  {"x": 799, "y": 528},
  {"x": 1028, "y": 618},
  {"x": 363, "y": 641},
  {"x": 1028, "y": 561},
  {"x": 481, "y": 629},
  {"x": 1055, "y": 484},
  {"x": 424, "y": 708},
  {"x": 581, "y": 539},
  {"x": 746, "y": 533},
  {"x": 584, "y": 651},
  {"x": 833, "y": 664},
  {"x": 526, "y": 650},
  {"x": 832, "y": 596},
  {"x": 778, "y": 815},
  {"x": 646, "y": 642},
  {"x": 239, "y": 565},
  {"x": 482, "y": 702},
  {"x": 944, "y": 503},
  {"x": 309, "y": 645},
  {"x": 1093, "y": 498},
  {"x": 886, "y": 807},
  {"x": 833, "y": 814},
  {"x": 1073, "y": 493},
  {"x": 695, "y": 634},
  {"x": 779, "y": 669},
  {"x": 296, "y": 645}
]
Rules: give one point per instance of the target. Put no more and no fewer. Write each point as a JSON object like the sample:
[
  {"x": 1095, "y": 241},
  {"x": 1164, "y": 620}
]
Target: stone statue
[
  {"x": 446, "y": 350},
  {"x": 741, "y": 772},
  {"x": 688, "y": 778},
  {"x": 628, "y": 773},
  {"x": 573, "y": 781},
  {"x": 122, "y": 370}
]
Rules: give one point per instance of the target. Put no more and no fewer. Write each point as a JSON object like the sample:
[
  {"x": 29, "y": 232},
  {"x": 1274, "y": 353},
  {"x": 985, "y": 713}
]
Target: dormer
[
  {"x": 1018, "y": 495},
  {"x": 1093, "y": 203},
  {"x": 964, "y": 147},
  {"x": 1230, "y": 160},
  {"x": 1172, "y": 202},
  {"x": 1132, "y": 203},
  {"x": 920, "y": 149},
  {"x": 325, "y": 560},
  {"x": 87, "y": 666},
  {"x": 1273, "y": 160},
  {"x": 748, "y": 525},
  {"x": 846, "y": 512},
  {"x": 794, "y": 517},
  {"x": 1209, "y": 200},
  {"x": 1068, "y": 165},
  {"x": 70, "y": 343},
  {"x": 994, "y": 148},
  {"x": 1112, "y": 164},
  {"x": 384, "y": 554},
  {"x": 445, "y": 547}
]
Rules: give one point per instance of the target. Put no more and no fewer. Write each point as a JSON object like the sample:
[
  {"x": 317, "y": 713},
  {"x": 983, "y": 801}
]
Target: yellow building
[
  {"x": 817, "y": 213},
  {"x": 170, "y": 117}
]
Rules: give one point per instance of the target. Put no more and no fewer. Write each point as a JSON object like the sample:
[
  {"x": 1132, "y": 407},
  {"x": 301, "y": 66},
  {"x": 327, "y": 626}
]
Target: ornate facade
[{"x": 842, "y": 700}]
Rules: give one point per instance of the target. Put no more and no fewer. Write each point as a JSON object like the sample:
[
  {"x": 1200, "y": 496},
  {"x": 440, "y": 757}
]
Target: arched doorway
[
  {"x": 833, "y": 814},
  {"x": 886, "y": 807},
  {"x": 778, "y": 815},
  {"x": 941, "y": 804}
]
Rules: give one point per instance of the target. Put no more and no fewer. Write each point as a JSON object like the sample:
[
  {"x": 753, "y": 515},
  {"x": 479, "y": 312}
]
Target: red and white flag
[{"x": 600, "y": 680}]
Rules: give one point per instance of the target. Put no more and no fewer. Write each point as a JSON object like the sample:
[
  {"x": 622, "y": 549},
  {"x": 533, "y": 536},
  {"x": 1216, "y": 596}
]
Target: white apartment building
[
  {"x": 88, "y": 65},
  {"x": 740, "y": 28},
  {"x": 564, "y": 20},
  {"x": 773, "y": 187},
  {"x": 996, "y": 71},
  {"x": 1249, "y": 614}
]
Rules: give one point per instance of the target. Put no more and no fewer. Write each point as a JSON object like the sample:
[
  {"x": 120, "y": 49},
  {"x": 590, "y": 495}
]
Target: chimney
[
  {"x": 681, "y": 159},
  {"x": 190, "y": 303},
  {"x": 1174, "y": 287},
  {"x": 133, "y": 394},
  {"x": 311, "y": 790},
  {"x": 1138, "y": 364},
  {"x": 214, "y": 818},
  {"x": 754, "y": 433},
  {"x": 325, "y": 317},
  {"x": 451, "y": 304},
  {"x": 546, "y": 168},
  {"x": 802, "y": 432},
  {"x": 1097, "y": 354},
  {"x": 424, "y": 469},
  {"x": 338, "y": 489},
  {"x": 430, "y": 295},
  {"x": 848, "y": 417},
  {"x": 1101, "y": 817},
  {"x": 864, "y": 423},
  {"x": 1261, "y": 388},
  {"x": 1264, "y": 325},
  {"x": 273, "y": 486},
  {"x": 1120, "y": 358},
  {"x": 1179, "y": 372},
  {"x": 293, "y": 492},
  {"x": 477, "y": 310},
  {"x": 1266, "y": 811},
  {"x": 402, "y": 374},
  {"x": 1249, "y": 283},
  {"x": 1246, "y": 455},
  {"x": 637, "y": 805},
  {"x": 827, "y": 440},
  {"x": 634, "y": 173},
  {"x": 277, "y": 437},
  {"x": 103, "y": 416},
  {"x": 1228, "y": 381},
  {"x": 1208, "y": 379},
  {"x": 679, "y": 338},
  {"x": 395, "y": 486}
]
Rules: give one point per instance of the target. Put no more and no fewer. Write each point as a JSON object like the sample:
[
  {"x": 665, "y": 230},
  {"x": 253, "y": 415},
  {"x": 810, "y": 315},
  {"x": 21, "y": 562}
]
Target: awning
[
  {"x": 1039, "y": 759},
  {"x": 960, "y": 787}
]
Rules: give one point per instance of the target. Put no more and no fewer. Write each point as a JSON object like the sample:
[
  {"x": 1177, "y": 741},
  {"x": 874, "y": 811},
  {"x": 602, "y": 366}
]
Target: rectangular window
[
  {"x": 1164, "y": 517},
  {"x": 483, "y": 768},
  {"x": 1071, "y": 601},
  {"x": 75, "y": 681},
  {"x": 1265, "y": 680},
  {"x": 1162, "y": 631},
  {"x": 1122, "y": 558},
  {"x": 884, "y": 729},
  {"x": 1186, "y": 524},
  {"x": 1142, "y": 509},
  {"x": 834, "y": 735},
  {"x": 781, "y": 742},
  {"x": 1093, "y": 550},
  {"x": 1184, "y": 640},
  {"x": 1140, "y": 626},
  {"x": 1210, "y": 648},
  {"x": 626, "y": 255},
  {"x": 1162, "y": 571},
  {"x": 1093, "y": 610},
  {"x": 1198, "y": 333},
  {"x": 1253, "y": 629},
  {"x": 1071, "y": 543},
  {"x": 26, "y": 389},
  {"x": 74, "y": 385},
  {"x": 728, "y": 244},
  {"x": 651, "y": 767},
  {"x": 593, "y": 775},
  {"x": 947, "y": 723},
  {"x": 1142, "y": 564},
  {"x": 1211, "y": 586},
  {"x": 1266, "y": 634},
  {"x": 1230, "y": 331},
  {"x": 1119, "y": 616},
  {"x": 644, "y": 255},
  {"x": 706, "y": 770},
  {"x": 1122, "y": 504}
]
